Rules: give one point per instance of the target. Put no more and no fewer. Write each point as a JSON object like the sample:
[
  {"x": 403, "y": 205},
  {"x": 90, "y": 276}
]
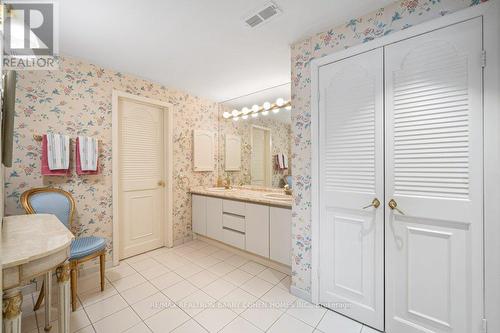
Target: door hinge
[
  {"x": 483, "y": 58},
  {"x": 485, "y": 326}
]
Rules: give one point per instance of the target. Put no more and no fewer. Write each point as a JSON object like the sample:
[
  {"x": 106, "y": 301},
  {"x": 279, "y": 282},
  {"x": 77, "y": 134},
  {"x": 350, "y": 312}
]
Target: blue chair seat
[{"x": 84, "y": 246}]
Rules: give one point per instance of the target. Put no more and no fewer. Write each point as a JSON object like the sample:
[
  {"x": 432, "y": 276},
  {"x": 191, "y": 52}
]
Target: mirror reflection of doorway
[{"x": 261, "y": 171}]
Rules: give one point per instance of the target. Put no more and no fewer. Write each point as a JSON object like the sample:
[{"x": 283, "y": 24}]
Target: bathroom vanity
[{"x": 255, "y": 221}]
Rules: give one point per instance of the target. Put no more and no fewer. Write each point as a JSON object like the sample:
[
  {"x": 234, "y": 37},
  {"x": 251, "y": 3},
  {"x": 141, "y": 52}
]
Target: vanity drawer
[
  {"x": 234, "y": 207},
  {"x": 234, "y": 238},
  {"x": 234, "y": 222}
]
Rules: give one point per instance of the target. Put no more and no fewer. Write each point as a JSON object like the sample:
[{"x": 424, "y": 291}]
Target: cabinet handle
[
  {"x": 375, "y": 204},
  {"x": 393, "y": 205}
]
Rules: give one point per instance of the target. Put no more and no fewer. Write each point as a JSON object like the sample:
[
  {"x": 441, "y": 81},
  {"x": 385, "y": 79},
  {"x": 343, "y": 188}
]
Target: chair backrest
[{"x": 50, "y": 201}]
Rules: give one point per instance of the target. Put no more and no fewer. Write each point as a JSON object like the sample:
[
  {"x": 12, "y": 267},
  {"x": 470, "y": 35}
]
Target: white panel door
[
  {"x": 141, "y": 178},
  {"x": 351, "y": 272},
  {"x": 434, "y": 174}
]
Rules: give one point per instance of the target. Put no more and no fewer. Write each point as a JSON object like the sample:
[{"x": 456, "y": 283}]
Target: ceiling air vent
[{"x": 262, "y": 15}]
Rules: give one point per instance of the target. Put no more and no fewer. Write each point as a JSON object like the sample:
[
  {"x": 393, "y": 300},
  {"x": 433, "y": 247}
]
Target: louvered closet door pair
[{"x": 406, "y": 164}]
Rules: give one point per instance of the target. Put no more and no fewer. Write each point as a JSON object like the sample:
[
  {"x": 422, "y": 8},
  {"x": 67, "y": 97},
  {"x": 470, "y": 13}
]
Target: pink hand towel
[
  {"x": 45, "y": 162},
  {"x": 79, "y": 170}
]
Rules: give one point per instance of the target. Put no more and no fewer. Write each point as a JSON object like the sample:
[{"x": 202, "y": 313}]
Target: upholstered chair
[{"x": 61, "y": 204}]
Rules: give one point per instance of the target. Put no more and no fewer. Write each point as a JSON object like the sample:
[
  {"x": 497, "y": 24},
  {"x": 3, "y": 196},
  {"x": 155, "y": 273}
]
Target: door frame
[
  {"x": 167, "y": 108},
  {"x": 490, "y": 13},
  {"x": 269, "y": 162}
]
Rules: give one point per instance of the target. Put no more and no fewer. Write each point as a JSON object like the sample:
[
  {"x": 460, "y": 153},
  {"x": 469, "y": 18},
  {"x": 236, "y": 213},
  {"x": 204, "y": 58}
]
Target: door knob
[
  {"x": 375, "y": 204},
  {"x": 393, "y": 205},
  {"x": 161, "y": 183}
]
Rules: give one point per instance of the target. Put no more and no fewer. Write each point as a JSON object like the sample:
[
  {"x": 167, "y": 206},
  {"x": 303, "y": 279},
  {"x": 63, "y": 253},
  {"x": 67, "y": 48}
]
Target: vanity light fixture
[{"x": 256, "y": 110}]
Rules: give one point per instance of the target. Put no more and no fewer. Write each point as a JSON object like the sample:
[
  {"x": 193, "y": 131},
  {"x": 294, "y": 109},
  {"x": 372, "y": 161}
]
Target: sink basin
[
  {"x": 278, "y": 196},
  {"x": 216, "y": 189}
]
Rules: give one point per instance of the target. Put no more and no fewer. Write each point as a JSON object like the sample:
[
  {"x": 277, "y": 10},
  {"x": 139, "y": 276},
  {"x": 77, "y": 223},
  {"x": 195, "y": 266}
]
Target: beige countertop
[
  {"x": 254, "y": 195},
  {"x": 26, "y": 238}
]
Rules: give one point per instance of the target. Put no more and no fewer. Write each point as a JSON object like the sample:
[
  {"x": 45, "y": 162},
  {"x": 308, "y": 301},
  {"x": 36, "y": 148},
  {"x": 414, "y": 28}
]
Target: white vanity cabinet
[
  {"x": 257, "y": 228},
  {"x": 280, "y": 235}
]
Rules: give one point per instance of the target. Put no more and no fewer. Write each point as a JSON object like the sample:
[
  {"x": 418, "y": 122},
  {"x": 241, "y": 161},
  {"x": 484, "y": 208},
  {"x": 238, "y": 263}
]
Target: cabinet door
[
  {"x": 257, "y": 229},
  {"x": 434, "y": 173},
  {"x": 214, "y": 218},
  {"x": 199, "y": 214},
  {"x": 280, "y": 235}
]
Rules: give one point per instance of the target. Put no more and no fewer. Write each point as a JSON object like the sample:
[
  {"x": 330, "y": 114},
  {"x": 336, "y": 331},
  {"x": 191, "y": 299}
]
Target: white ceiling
[{"x": 200, "y": 46}]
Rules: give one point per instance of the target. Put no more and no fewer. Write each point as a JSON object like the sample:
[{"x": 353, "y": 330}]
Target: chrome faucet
[{"x": 287, "y": 189}]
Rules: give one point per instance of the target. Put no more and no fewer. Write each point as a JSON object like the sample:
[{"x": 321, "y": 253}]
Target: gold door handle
[
  {"x": 393, "y": 205},
  {"x": 161, "y": 183},
  {"x": 375, "y": 204}
]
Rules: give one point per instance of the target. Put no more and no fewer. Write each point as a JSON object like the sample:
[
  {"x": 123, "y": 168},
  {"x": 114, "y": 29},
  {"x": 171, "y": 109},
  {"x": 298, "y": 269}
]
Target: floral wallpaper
[
  {"x": 76, "y": 100},
  {"x": 395, "y": 17},
  {"x": 280, "y": 139}
]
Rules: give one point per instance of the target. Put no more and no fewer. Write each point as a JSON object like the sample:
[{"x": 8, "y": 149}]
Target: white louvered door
[
  {"x": 434, "y": 166},
  {"x": 351, "y": 272},
  {"x": 141, "y": 178}
]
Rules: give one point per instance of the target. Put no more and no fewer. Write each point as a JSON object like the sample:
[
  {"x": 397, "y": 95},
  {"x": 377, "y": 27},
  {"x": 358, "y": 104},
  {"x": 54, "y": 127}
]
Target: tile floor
[{"x": 195, "y": 287}]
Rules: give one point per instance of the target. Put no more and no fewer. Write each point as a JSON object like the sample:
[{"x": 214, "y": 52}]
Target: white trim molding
[
  {"x": 490, "y": 14},
  {"x": 168, "y": 142}
]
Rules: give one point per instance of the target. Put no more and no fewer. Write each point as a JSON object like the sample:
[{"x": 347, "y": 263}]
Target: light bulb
[
  {"x": 235, "y": 113},
  {"x": 255, "y": 108},
  {"x": 226, "y": 115},
  {"x": 289, "y": 107},
  {"x": 245, "y": 117},
  {"x": 236, "y": 118},
  {"x": 245, "y": 110},
  {"x": 265, "y": 113},
  {"x": 255, "y": 115},
  {"x": 276, "y": 110},
  {"x": 280, "y": 102},
  {"x": 266, "y": 105}
]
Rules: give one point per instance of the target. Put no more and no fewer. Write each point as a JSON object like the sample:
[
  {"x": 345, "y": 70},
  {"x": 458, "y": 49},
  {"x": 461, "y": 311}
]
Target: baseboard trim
[{"x": 301, "y": 293}]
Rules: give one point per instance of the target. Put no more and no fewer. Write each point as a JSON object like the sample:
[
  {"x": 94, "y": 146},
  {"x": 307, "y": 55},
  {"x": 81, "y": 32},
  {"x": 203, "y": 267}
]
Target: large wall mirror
[{"x": 255, "y": 138}]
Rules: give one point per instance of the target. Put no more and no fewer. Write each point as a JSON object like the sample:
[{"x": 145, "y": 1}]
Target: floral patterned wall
[
  {"x": 280, "y": 138},
  {"x": 395, "y": 17},
  {"x": 76, "y": 100}
]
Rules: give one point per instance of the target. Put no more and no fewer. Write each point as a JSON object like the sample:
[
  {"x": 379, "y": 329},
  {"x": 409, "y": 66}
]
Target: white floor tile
[
  {"x": 139, "y": 328},
  {"x": 222, "y": 254},
  {"x": 285, "y": 283},
  {"x": 210, "y": 250},
  {"x": 195, "y": 303},
  {"x": 179, "y": 290},
  {"x": 29, "y": 322},
  {"x": 172, "y": 261},
  {"x": 241, "y": 325},
  {"x": 202, "y": 279},
  {"x": 279, "y": 298},
  {"x": 188, "y": 270},
  {"x": 145, "y": 264},
  {"x": 154, "y": 272},
  {"x": 219, "y": 288},
  {"x": 152, "y": 305},
  {"x": 137, "y": 293},
  {"x": 238, "y": 300},
  {"x": 262, "y": 315},
  {"x": 289, "y": 324},
  {"x": 118, "y": 322},
  {"x": 90, "y": 282},
  {"x": 236, "y": 260},
  {"x": 167, "y": 320},
  {"x": 128, "y": 282},
  {"x": 256, "y": 286},
  {"x": 78, "y": 320},
  {"x": 237, "y": 277},
  {"x": 253, "y": 268},
  {"x": 197, "y": 245},
  {"x": 309, "y": 313},
  {"x": 190, "y": 326},
  {"x": 221, "y": 268},
  {"x": 206, "y": 261},
  {"x": 95, "y": 296},
  {"x": 88, "y": 329},
  {"x": 215, "y": 318},
  {"x": 137, "y": 258},
  {"x": 160, "y": 251},
  {"x": 166, "y": 280},
  {"x": 106, "y": 307},
  {"x": 367, "y": 329},
  {"x": 333, "y": 322},
  {"x": 271, "y": 275}
]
